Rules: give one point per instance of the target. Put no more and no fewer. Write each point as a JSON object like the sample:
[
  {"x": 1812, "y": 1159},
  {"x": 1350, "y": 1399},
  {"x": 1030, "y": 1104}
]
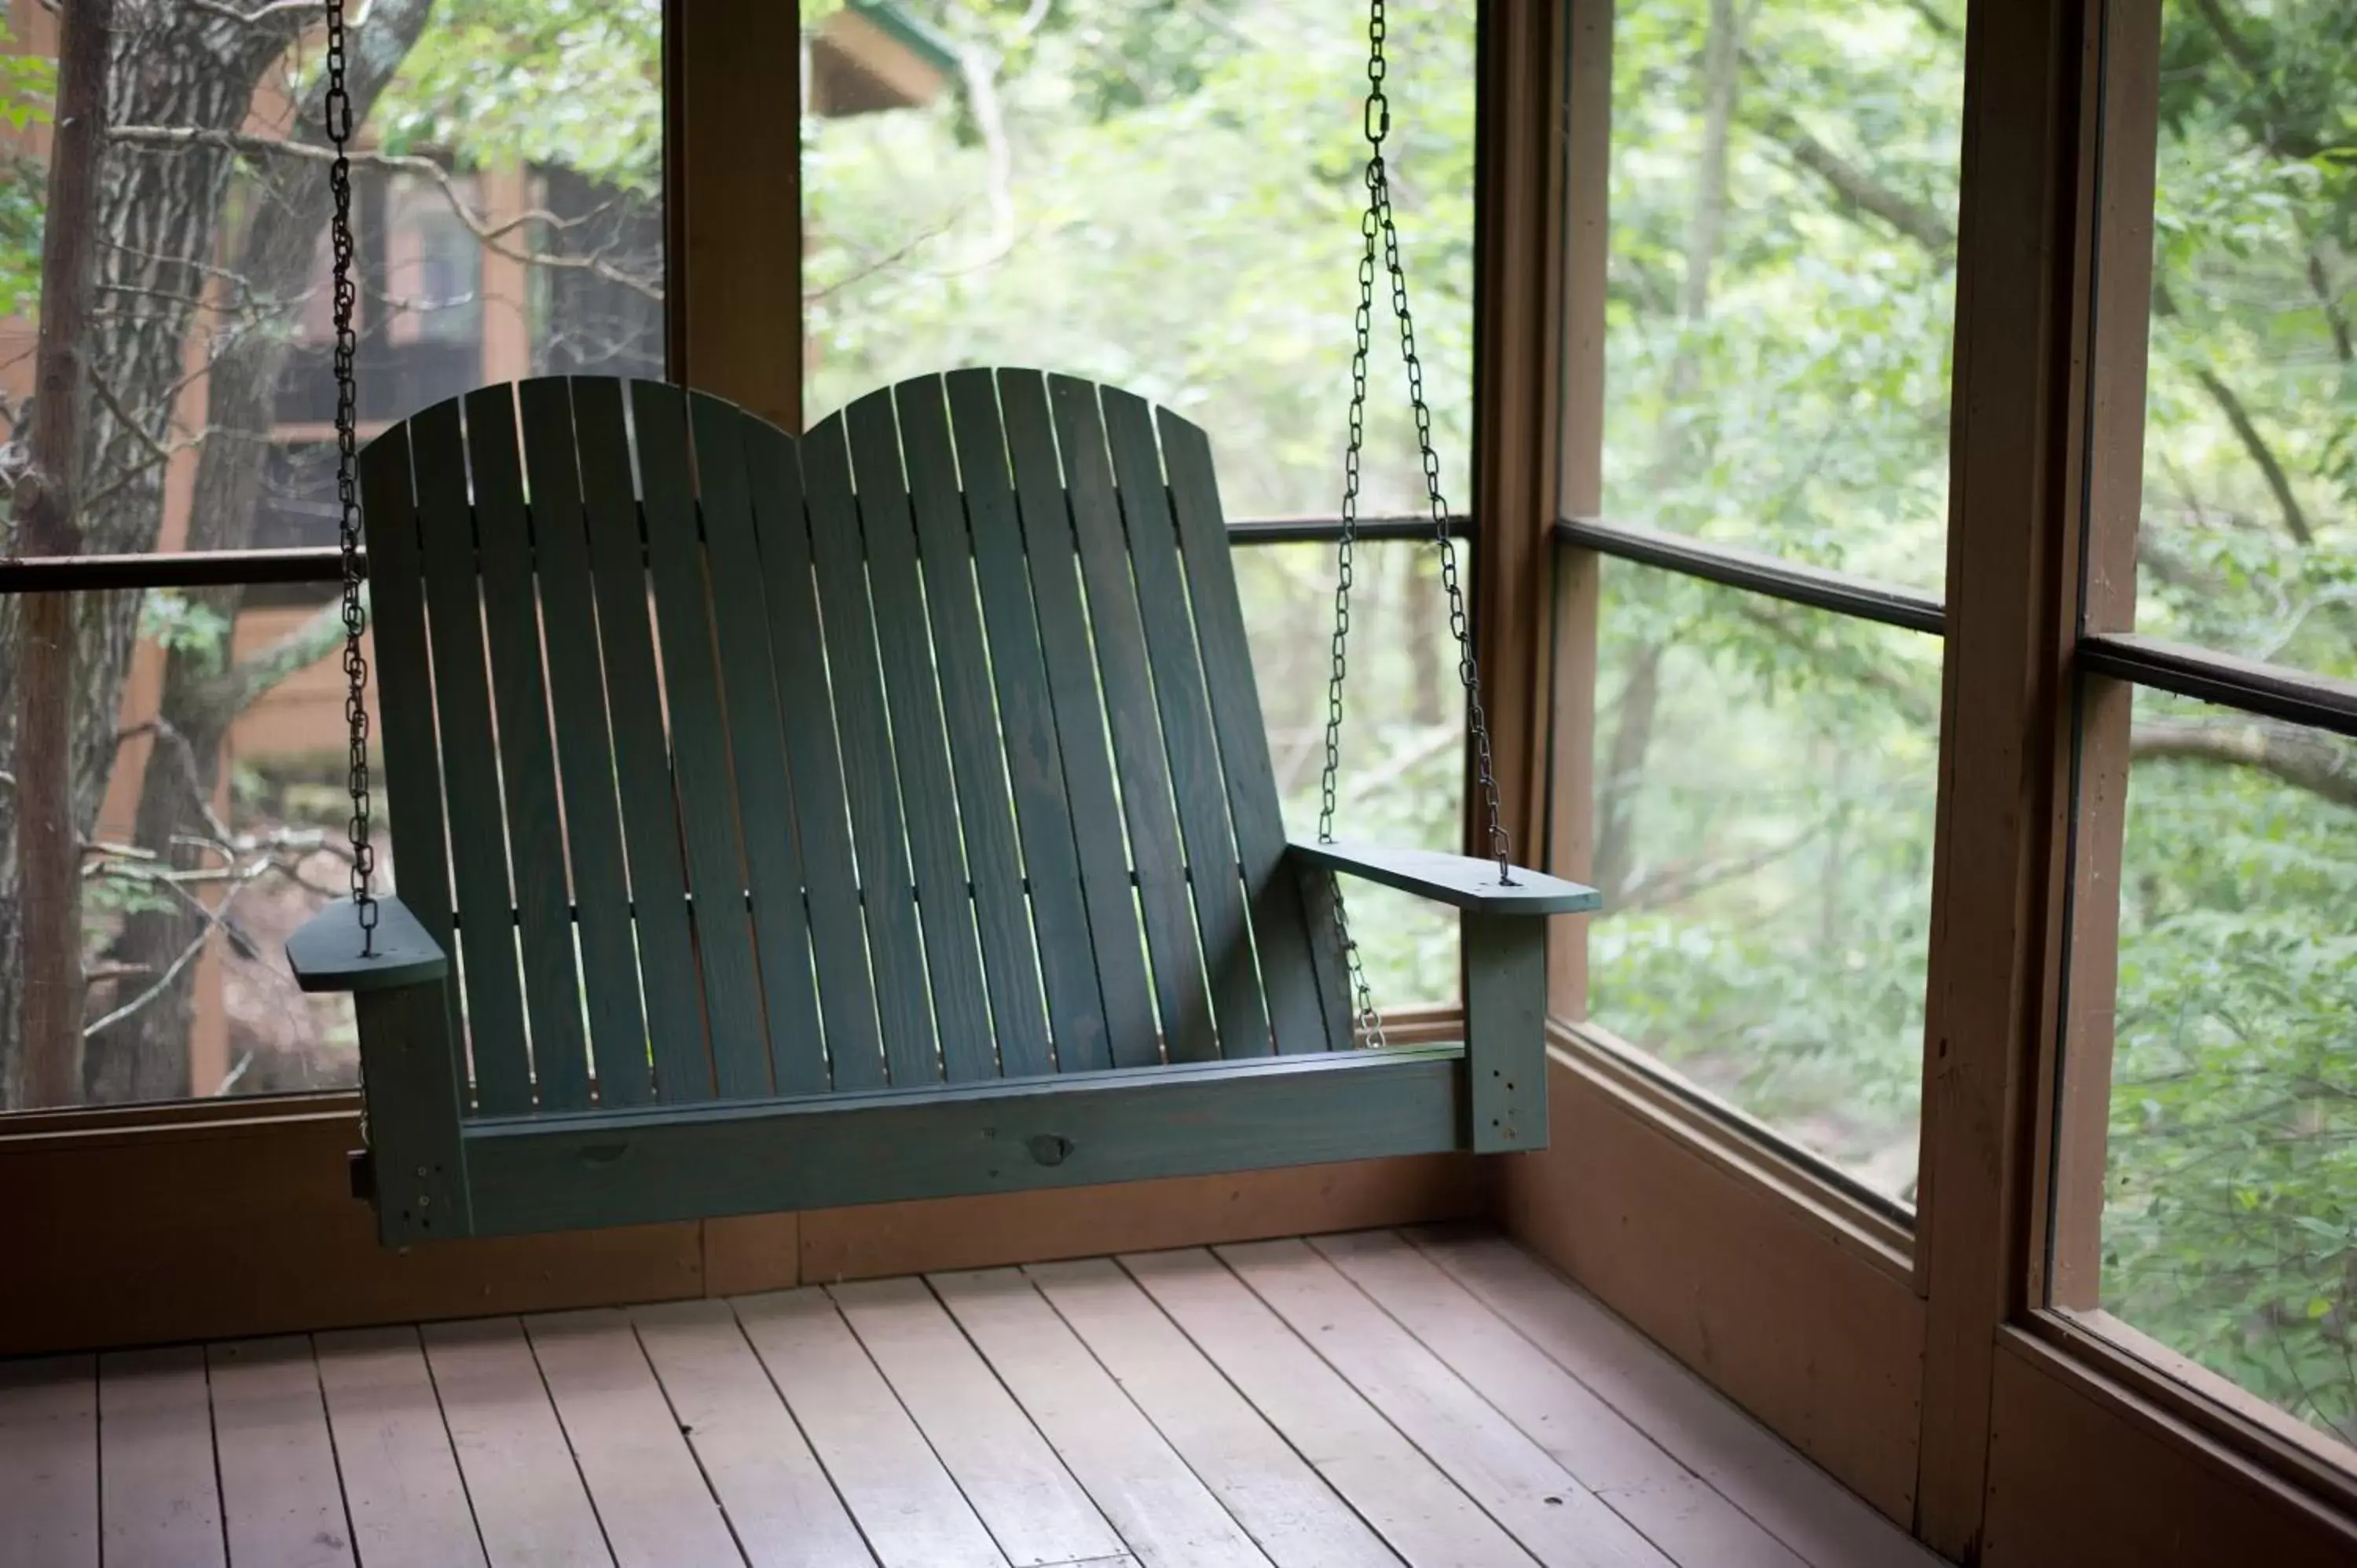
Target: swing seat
[{"x": 880, "y": 814}]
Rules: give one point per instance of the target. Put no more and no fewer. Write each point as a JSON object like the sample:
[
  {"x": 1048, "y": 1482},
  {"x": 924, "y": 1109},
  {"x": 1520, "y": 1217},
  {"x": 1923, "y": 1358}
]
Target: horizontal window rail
[
  {"x": 2273, "y": 690},
  {"x": 1732, "y": 566},
  {"x": 323, "y": 565}
]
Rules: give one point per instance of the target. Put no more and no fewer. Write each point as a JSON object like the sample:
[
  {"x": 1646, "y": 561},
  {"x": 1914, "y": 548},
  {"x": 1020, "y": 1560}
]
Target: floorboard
[
  {"x": 649, "y": 1494},
  {"x": 910, "y": 1511},
  {"x": 530, "y": 1504},
  {"x": 402, "y": 1486},
  {"x": 282, "y": 1501},
  {"x": 158, "y": 1500},
  {"x": 785, "y": 1511},
  {"x": 49, "y": 1462}
]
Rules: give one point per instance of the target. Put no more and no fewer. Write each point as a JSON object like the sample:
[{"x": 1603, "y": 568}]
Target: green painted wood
[
  {"x": 1027, "y": 719},
  {"x": 937, "y": 858},
  {"x": 868, "y": 774},
  {"x": 325, "y": 953},
  {"x": 1156, "y": 856},
  {"x": 1322, "y": 901},
  {"x": 682, "y": 1072},
  {"x": 551, "y": 985},
  {"x": 699, "y": 741},
  {"x": 470, "y": 775},
  {"x": 756, "y": 738},
  {"x": 1306, "y": 1005},
  {"x": 838, "y": 936},
  {"x": 979, "y": 743},
  {"x": 1457, "y": 880},
  {"x": 1133, "y": 1037},
  {"x": 585, "y": 746},
  {"x": 1073, "y": 1130},
  {"x": 1505, "y": 1030},
  {"x": 409, "y": 1069},
  {"x": 1191, "y": 752}
]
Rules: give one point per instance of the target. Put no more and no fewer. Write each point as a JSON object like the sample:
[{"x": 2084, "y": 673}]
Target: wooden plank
[
  {"x": 637, "y": 1166},
  {"x": 1009, "y": 1474},
  {"x": 159, "y": 1495},
  {"x": 907, "y": 1508},
  {"x": 49, "y": 1462},
  {"x": 282, "y": 1503},
  {"x": 979, "y": 740},
  {"x": 1119, "y": 636},
  {"x": 1296, "y": 1009},
  {"x": 936, "y": 860},
  {"x": 1799, "y": 1504},
  {"x": 878, "y": 812},
  {"x": 584, "y": 747},
  {"x": 1415, "y": 1507},
  {"x": 410, "y": 1064},
  {"x": 1556, "y": 1520},
  {"x": 1026, "y": 717},
  {"x": 529, "y": 1500},
  {"x": 1133, "y": 1037},
  {"x": 1606, "y": 1452},
  {"x": 1158, "y": 1506},
  {"x": 471, "y": 765},
  {"x": 1322, "y": 913},
  {"x": 330, "y": 953},
  {"x": 402, "y": 1489},
  {"x": 1463, "y": 882},
  {"x": 650, "y": 1495},
  {"x": 781, "y": 1506},
  {"x": 527, "y": 758},
  {"x": 847, "y": 992},
  {"x": 1193, "y": 754},
  {"x": 699, "y": 746},
  {"x": 1505, "y": 1030},
  {"x": 756, "y": 734},
  {"x": 651, "y": 831}
]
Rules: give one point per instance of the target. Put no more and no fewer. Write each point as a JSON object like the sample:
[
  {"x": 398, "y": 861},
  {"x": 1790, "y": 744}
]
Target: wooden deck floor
[{"x": 1364, "y": 1398}]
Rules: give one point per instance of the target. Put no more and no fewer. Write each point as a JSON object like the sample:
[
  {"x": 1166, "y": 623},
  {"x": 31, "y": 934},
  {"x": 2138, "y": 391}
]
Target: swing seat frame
[{"x": 879, "y": 815}]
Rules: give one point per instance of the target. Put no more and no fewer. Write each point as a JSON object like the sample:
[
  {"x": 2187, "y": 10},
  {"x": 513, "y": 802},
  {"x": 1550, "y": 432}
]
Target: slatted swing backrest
[{"x": 923, "y": 748}]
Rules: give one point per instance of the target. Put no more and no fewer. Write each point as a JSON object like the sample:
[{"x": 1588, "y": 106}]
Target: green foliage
[{"x": 27, "y": 92}]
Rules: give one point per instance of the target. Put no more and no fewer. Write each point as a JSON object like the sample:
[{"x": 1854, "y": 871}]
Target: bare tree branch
[
  {"x": 1856, "y": 188},
  {"x": 2310, "y": 760},
  {"x": 273, "y": 10},
  {"x": 2229, "y": 404}
]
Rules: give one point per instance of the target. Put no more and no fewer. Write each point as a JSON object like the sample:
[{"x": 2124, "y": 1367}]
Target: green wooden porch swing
[{"x": 882, "y": 813}]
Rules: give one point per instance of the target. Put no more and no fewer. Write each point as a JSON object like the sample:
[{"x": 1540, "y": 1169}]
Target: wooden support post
[
  {"x": 1505, "y": 1030},
  {"x": 409, "y": 1061}
]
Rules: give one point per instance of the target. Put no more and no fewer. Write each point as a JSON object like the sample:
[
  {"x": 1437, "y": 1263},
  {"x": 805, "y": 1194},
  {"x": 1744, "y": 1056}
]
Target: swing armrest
[
  {"x": 1455, "y": 879},
  {"x": 325, "y": 953}
]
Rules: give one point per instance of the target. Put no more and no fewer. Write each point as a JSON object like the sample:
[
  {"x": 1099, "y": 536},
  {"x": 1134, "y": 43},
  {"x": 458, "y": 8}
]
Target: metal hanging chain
[
  {"x": 340, "y": 182},
  {"x": 1382, "y": 249}
]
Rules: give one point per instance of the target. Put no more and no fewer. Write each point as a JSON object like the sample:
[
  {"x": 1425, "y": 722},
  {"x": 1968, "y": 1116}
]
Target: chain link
[
  {"x": 1381, "y": 251},
  {"x": 338, "y": 104}
]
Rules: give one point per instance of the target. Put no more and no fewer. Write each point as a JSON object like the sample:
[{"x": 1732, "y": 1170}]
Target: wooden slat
[
  {"x": 584, "y": 747},
  {"x": 529, "y": 1500},
  {"x": 1026, "y": 718},
  {"x": 402, "y": 1488},
  {"x": 649, "y": 815},
  {"x": 847, "y": 992},
  {"x": 782, "y": 1507},
  {"x": 49, "y": 1462},
  {"x": 410, "y": 1063},
  {"x": 868, "y": 773},
  {"x": 1029, "y": 1502},
  {"x": 1605, "y": 1452},
  {"x": 1298, "y": 1010},
  {"x": 649, "y": 1494},
  {"x": 1802, "y": 1506},
  {"x": 1556, "y": 1520},
  {"x": 159, "y": 1497},
  {"x": 1322, "y": 898},
  {"x": 1396, "y": 1488},
  {"x": 1462, "y": 881},
  {"x": 1162, "y": 1512},
  {"x": 282, "y": 1503},
  {"x": 470, "y": 770},
  {"x": 1193, "y": 754},
  {"x": 1505, "y": 1030},
  {"x": 1133, "y": 1037},
  {"x": 907, "y": 1508},
  {"x": 980, "y": 741},
  {"x": 527, "y": 760},
  {"x": 757, "y": 746},
  {"x": 937, "y": 861},
  {"x": 412, "y": 771},
  {"x": 699, "y": 739},
  {"x": 1137, "y": 747}
]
